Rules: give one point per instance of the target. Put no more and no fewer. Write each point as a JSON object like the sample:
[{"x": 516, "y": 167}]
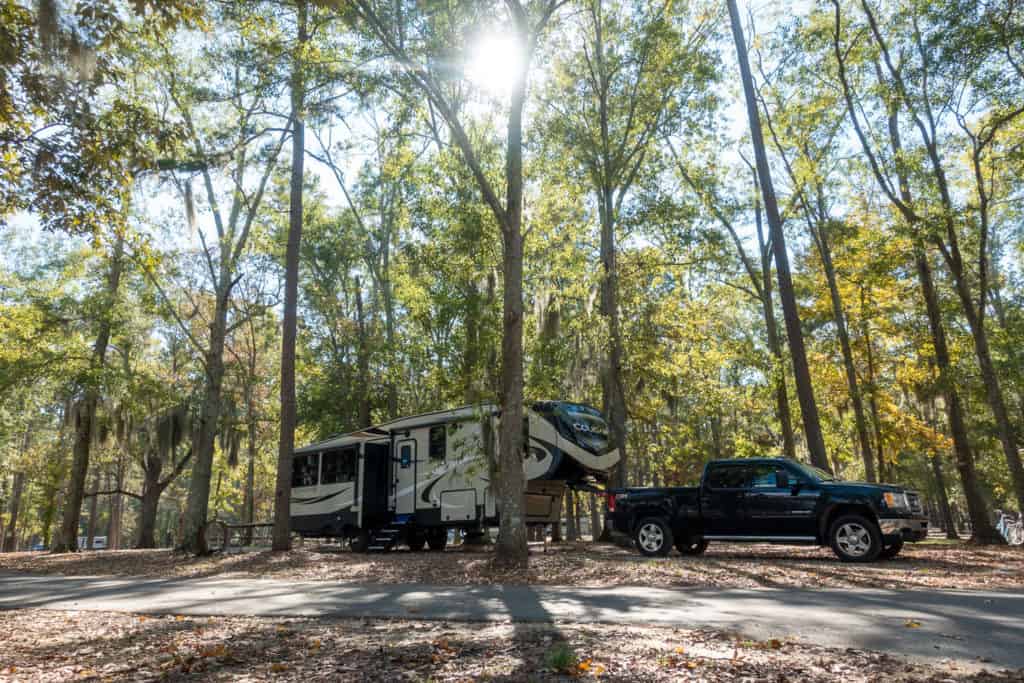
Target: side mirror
[{"x": 781, "y": 479}]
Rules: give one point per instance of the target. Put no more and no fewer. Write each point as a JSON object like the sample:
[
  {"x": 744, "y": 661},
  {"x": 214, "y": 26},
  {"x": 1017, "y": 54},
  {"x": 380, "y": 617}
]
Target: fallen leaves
[
  {"x": 723, "y": 565},
  {"x": 120, "y": 647}
]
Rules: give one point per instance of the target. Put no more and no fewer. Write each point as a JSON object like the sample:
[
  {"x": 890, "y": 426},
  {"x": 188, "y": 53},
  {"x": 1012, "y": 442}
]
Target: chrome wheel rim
[
  {"x": 853, "y": 539},
  {"x": 651, "y": 537}
]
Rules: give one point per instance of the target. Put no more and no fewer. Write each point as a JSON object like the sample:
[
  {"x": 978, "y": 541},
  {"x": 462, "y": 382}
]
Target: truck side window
[
  {"x": 763, "y": 476},
  {"x": 438, "y": 442},
  {"x": 728, "y": 477}
]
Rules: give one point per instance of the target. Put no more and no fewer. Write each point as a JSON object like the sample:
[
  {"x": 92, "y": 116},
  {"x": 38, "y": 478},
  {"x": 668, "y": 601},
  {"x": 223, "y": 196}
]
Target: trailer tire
[
  {"x": 691, "y": 545},
  {"x": 653, "y": 537},
  {"x": 359, "y": 542},
  {"x": 437, "y": 539}
]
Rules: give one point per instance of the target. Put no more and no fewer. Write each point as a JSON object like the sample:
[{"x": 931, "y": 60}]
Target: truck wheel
[
  {"x": 892, "y": 550},
  {"x": 855, "y": 539},
  {"x": 360, "y": 542},
  {"x": 437, "y": 539},
  {"x": 653, "y": 537},
  {"x": 691, "y": 546}
]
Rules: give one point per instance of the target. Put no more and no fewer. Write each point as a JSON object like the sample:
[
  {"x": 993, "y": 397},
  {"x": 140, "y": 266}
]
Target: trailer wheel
[
  {"x": 653, "y": 537},
  {"x": 360, "y": 541},
  {"x": 691, "y": 545},
  {"x": 416, "y": 540},
  {"x": 437, "y": 539}
]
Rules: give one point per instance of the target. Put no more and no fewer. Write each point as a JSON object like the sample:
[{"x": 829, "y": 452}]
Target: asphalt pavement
[{"x": 968, "y": 626}]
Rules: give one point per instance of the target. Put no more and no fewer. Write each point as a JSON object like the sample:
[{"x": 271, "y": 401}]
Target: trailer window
[
  {"x": 304, "y": 469},
  {"x": 438, "y": 442},
  {"x": 339, "y": 466}
]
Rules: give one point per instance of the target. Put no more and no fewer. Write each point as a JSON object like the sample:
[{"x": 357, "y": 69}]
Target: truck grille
[{"x": 915, "y": 502}]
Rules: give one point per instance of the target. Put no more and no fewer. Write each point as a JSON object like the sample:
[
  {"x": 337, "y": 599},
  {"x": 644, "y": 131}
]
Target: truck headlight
[{"x": 896, "y": 501}]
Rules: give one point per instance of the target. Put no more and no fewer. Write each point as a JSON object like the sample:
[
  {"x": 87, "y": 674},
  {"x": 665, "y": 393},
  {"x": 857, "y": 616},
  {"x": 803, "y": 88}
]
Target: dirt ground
[
  {"x": 924, "y": 566},
  {"x": 37, "y": 645}
]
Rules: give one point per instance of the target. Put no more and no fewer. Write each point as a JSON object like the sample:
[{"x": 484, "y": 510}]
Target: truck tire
[
  {"x": 691, "y": 546},
  {"x": 653, "y": 537},
  {"x": 360, "y": 541},
  {"x": 437, "y": 539},
  {"x": 892, "y": 550},
  {"x": 855, "y": 538}
]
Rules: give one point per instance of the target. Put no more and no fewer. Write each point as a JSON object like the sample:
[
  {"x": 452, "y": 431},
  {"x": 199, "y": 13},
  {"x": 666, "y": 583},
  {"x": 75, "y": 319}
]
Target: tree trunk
[
  {"x": 772, "y": 332},
  {"x": 595, "y": 516},
  {"x": 511, "y": 549},
  {"x": 943, "y": 498},
  {"x": 282, "y": 491},
  {"x": 556, "y": 527},
  {"x": 197, "y": 507},
  {"x": 85, "y": 416},
  {"x": 250, "y": 477},
  {"x": 839, "y": 316},
  {"x": 10, "y": 543},
  {"x": 791, "y": 316},
  {"x": 876, "y": 418},
  {"x": 90, "y": 529},
  {"x": 981, "y": 526},
  {"x": 116, "y": 507},
  {"x": 612, "y": 386},
  {"x": 993, "y": 390},
  {"x": 572, "y": 533},
  {"x": 149, "y": 502},
  {"x": 363, "y": 359}
]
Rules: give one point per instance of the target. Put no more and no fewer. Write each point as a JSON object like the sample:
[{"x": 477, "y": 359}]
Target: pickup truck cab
[{"x": 773, "y": 500}]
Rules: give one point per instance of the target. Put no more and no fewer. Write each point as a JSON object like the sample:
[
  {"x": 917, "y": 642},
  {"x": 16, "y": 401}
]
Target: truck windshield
[{"x": 816, "y": 473}]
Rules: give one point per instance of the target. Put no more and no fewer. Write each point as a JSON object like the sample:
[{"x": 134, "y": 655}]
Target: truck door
[
  {"x": 722, "y": 494},
  {"x": 780, "y": 504}
]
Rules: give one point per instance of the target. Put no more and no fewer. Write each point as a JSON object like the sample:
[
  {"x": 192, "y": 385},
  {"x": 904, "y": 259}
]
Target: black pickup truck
[{"x": 772, "y": 500}]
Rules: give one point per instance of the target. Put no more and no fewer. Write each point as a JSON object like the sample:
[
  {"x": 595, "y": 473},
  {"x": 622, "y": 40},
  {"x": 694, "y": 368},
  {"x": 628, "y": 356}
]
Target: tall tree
[
  {"x": 641, "y": 68},
  {"x": 900, "y": 196},
  {"x": 85, "y": 409},
  {"x": 526, "y": 25},
  {"x": 282, "y": 491},
  {"x": 247, "y": 150},
  {"x": 801, "y": 370}
]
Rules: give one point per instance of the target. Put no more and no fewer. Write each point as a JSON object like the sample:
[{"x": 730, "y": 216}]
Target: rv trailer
[{"x": 414, "y": 478}]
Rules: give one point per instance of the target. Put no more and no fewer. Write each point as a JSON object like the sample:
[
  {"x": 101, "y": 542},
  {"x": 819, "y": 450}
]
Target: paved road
[{"x": 958, "y": 625}]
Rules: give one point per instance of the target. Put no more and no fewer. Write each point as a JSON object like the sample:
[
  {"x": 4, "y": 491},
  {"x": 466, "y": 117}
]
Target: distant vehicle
[
  {"x": 98, "y": 542},
  {"x": 415, "y": 479},
  {"x": 39, "y": 546},
  {"x": 773, "y": 500}
]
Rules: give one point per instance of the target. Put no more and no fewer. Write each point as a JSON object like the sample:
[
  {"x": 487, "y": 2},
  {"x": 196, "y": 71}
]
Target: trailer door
[{"x": 404, "y": 502}]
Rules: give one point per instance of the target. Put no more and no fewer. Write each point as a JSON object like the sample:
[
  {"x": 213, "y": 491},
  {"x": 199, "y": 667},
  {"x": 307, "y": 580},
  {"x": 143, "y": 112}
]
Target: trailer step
[{"x": 385, "y": 539}]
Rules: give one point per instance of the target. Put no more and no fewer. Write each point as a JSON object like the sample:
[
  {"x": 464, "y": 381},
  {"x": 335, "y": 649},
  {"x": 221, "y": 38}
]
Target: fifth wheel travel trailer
[{"x": 412, "y": 479}]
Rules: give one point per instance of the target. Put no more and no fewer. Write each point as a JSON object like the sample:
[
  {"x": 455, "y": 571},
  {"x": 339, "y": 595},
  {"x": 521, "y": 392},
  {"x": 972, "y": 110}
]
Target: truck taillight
[{"x": 611, "y": 502}]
